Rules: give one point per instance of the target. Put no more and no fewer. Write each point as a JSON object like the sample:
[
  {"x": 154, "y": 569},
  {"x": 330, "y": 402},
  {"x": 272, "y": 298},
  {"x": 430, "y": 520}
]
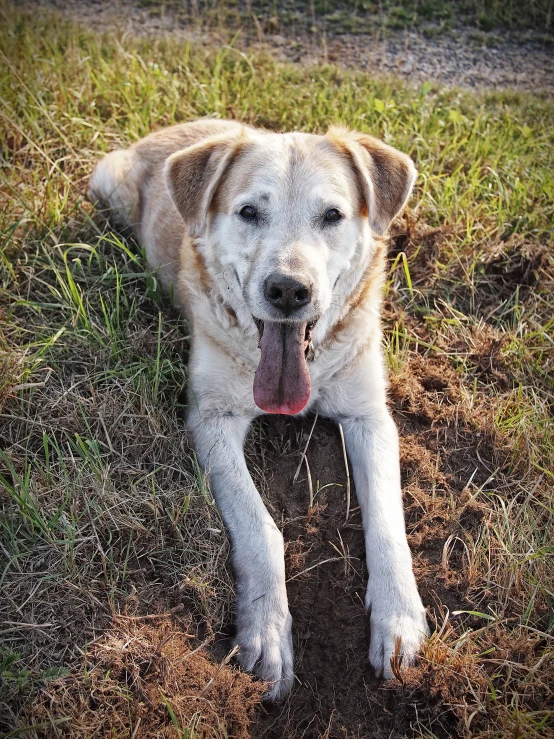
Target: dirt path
[
  {"x": 462, "y": 57},
  {"x": 464, "y": 62}
]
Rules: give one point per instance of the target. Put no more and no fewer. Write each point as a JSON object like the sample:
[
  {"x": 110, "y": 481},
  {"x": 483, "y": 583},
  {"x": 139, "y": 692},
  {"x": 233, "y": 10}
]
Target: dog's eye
[
  {"x": 332, "y": 216},
  {"x": 248, "y": 212}
]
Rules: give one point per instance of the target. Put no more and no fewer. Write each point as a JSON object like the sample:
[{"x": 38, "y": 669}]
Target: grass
[{"x": 104, "y": 511}]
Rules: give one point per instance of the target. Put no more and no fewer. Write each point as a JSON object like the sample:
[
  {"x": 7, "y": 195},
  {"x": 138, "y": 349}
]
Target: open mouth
[
  {"x": 307, "y": 334},
  {"x": 282, "y": 380}
]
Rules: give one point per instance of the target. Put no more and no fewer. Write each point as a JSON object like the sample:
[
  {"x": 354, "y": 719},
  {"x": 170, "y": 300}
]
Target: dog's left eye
[
  {"x": 332, "y": 216},
  {"x": 248, "y": 212}
]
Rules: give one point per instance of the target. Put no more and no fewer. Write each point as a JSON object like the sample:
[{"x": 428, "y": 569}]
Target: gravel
[{"x": 462, "y": 57}]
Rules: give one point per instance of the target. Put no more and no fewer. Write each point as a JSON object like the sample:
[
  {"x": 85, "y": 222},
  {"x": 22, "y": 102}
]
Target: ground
[{"x": 116, "y": 607}]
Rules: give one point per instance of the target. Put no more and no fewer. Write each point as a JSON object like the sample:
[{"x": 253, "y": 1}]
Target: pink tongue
[{"x": 282, "y": 381}]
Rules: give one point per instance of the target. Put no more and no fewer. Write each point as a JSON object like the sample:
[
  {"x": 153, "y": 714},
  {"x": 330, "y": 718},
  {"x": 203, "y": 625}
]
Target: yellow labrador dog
[{"x": 270, "y": 244}]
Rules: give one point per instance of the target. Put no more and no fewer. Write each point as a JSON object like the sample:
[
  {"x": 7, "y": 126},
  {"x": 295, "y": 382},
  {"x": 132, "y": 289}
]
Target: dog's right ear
[{"x": 194, "y": 174}]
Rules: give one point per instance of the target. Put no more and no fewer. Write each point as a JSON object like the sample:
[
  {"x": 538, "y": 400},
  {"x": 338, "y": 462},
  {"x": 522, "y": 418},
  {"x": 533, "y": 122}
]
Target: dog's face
[
  {"x": 287, "y": 224},
  {"x": 284, "y": 223}
]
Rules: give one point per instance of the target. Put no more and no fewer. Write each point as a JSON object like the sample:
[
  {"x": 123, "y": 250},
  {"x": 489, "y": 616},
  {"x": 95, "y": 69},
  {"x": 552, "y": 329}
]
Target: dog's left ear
[{"x": 385, "y": 174}]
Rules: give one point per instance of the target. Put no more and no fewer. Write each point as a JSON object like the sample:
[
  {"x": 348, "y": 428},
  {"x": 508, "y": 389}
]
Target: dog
[{"x": 273, "y": 245}]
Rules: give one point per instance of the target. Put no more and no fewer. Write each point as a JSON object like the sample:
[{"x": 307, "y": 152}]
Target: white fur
[{"x": 294, "y": 178}]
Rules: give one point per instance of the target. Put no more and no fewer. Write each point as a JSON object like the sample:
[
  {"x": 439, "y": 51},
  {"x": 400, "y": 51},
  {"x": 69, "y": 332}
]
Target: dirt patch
[
  {"x": 143, "y": 678},
  {"x": 336, "y": 693},
  {"x": 451, "y": 60}
]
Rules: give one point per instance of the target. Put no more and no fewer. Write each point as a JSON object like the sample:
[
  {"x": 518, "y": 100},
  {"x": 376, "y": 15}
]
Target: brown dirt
[{"x": 336, "y": 694}]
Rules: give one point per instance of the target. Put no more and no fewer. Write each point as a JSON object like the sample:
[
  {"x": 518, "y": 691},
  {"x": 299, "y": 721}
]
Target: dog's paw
[
  {"x": 264, "y": 639},
  {"x": 398, "y": 630}
]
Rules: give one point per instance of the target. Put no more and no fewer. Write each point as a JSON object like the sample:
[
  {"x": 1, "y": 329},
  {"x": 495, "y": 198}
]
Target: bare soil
[
  {"x": 463, "y": 57},
  {"x": 336, "y": 693}
]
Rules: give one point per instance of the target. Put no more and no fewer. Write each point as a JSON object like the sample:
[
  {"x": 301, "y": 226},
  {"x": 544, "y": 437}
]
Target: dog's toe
[
  {"x": 266, "y": 650},
  {"x": 395, "y": 641}
]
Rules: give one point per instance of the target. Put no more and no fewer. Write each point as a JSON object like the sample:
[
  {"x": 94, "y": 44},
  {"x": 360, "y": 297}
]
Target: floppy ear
[
  {"x": 386, "y": 175},
  {"x": 194, "y": 174}
]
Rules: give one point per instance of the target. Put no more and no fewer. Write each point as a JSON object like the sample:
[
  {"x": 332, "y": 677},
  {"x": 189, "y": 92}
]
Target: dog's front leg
[
  {"x": 263, "y": 620},
  {"x": 398, "y": 623}
]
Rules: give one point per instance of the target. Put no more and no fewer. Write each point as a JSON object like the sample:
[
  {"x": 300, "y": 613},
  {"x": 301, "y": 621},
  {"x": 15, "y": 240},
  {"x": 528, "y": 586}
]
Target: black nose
[{"x": 286, "y": 293}]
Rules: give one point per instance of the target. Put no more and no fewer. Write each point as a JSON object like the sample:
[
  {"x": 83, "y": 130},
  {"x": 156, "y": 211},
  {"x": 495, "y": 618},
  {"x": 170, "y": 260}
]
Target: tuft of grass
[
  {"x": 143, "y": 679},
  {"x": 103, "y": 507}
]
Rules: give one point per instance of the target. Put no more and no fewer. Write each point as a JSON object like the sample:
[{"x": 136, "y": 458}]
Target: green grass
[
  {"x": 103, "y": 507},
  {"x": 485, "y": 14}
]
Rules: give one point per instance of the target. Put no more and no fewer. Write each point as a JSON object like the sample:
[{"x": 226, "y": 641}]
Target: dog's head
[{"x": 285, "y": 223}]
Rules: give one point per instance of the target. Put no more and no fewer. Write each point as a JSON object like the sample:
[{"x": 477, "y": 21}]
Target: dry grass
[
  {"x": 104, "y": 509},
  {"x": 142, "y": 679}
]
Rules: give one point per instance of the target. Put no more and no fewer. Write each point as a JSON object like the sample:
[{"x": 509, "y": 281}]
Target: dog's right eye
[
  {"x": 248, "y": 212},
  {"x": 333, "y": 215}
]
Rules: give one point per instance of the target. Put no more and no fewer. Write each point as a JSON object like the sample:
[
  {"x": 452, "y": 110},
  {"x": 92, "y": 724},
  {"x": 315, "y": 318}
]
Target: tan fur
[{"x": 385, "y": 165}]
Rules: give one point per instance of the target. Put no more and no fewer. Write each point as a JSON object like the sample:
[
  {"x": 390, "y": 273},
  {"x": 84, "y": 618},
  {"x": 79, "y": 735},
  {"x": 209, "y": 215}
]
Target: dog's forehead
[{"x": 298, "y": 165}]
